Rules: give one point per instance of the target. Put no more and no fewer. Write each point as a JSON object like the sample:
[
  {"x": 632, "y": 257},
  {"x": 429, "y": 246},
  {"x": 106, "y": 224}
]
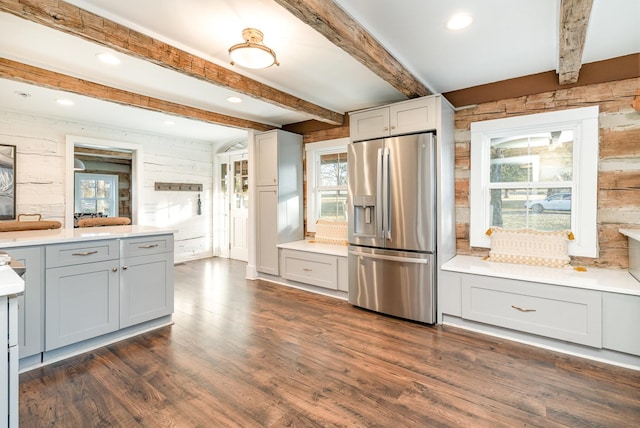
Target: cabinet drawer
[
  {"x": 310, "y": 268},
  {"x": 564, "y": 313},
  {"x": 147, "y": 245},
  {"x": 81, "y": 252}
]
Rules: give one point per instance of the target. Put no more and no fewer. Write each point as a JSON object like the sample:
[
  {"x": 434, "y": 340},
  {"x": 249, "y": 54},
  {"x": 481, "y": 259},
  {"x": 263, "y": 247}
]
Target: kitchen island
[
  {"x": 87, "y": 287},
  {"x": 11, "y": 285}
]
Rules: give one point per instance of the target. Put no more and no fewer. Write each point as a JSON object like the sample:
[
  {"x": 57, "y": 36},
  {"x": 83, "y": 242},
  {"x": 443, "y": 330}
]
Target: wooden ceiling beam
[
  {"x": 574, "y": 19},
  {"x": 72, "y": 20},
  {"x": 342, "y": 30},
  {"x": 37, "y": 76}
]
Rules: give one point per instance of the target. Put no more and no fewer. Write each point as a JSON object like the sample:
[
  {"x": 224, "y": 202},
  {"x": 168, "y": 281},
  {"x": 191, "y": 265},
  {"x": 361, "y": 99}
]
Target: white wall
[{"x": 40, "y": 175}]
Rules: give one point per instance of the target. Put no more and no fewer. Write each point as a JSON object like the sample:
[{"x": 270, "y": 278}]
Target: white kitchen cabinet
[
  {"x": 406, "y": 117},
  {"x": 310, "y": 268},
  {"x": 266, "y": 155},
  {"x": 564, "y": 313},
  {"x": 31, "y": 302},
  {"x": 146, "y": 279},
  {"x": 81, "y": 301},
  {"x": 9, "y": 363},
  {"x": 278, "y": 158},
  {"x": 267, "y": 230},
  {"x": 98, "y": 287},
  {"x": 621, "y": 314}
]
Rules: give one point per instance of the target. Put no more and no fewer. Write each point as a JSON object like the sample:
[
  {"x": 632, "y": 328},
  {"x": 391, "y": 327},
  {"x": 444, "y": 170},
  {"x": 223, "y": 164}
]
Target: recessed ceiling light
[
  {"x": 64, "y": 102},
  {"x": 108, "y": 58},
  {"x": 234, "y": 99},
  {"x": 22, "y": 94},
  {"x": 458, "y": 22},
  {"x": 169, "y": 122}
]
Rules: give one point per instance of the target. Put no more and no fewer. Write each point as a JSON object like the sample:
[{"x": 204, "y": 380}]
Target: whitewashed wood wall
[{"x": 40, "y": 176}]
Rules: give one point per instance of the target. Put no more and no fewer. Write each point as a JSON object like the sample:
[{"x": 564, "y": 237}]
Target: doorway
[{"x": 233, "y": 201}]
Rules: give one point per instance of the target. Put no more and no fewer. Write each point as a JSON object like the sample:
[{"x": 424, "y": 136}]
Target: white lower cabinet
[
  {"x": 570, "y": 314},
  {"x": 621, "y": 321},
  {"x": 322, "y": 270},
  {"x": 146, "y": 279},
  {"x": 9, "y": 363},
  {"x": 81, "y": 302},
  {"x": 98, "y": 287}
]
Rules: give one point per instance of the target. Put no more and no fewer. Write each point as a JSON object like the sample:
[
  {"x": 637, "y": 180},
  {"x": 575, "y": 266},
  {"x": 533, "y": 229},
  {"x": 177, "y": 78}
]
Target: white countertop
[
  {"x": 316, "y": 247},
  {"x": 53, "y": 236},
  {"x": 631, "y": 233},
  {"x": 612, "y": 280},
  {"x": 10, "y": 282}
]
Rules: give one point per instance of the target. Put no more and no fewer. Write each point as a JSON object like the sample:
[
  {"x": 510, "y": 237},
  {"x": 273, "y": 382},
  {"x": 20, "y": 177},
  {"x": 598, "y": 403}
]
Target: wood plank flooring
[{"x": 255, "y": 354}]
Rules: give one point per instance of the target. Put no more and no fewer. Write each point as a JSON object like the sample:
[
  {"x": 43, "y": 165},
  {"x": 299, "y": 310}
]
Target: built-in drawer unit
[
  {"x": 310, "y": 268},
  {"x": 81, "y": 252},
  {"x": 132, "y": 247},
  {"x": 565, "y": 313}
]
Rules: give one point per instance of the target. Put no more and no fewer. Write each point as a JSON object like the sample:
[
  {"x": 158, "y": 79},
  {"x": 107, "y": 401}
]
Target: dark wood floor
[{"x": 252, "y": 353}]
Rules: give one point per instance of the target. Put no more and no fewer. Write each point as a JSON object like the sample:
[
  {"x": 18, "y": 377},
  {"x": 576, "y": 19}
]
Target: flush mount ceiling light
[
  {"x": 234, "y": 100},
  {"x": 252, "y": 53},
  {"x": 458, "y": 22}
]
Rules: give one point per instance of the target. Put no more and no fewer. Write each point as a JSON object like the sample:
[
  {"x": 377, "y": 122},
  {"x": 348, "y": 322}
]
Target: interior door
[{"x": 239, "y": 209}]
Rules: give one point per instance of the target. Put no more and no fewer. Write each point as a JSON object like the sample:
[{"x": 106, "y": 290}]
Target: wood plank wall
[
  {"x": 40, "y": 175},
  {"x": 619, "y": 169}
]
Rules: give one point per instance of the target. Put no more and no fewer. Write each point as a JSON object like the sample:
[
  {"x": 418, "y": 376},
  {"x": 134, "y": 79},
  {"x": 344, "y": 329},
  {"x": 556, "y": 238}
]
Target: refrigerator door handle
[
  {"x": 379, "y": 214},
  {"x": 386, "y": 224},
  {"x": 390, "y": 258}
]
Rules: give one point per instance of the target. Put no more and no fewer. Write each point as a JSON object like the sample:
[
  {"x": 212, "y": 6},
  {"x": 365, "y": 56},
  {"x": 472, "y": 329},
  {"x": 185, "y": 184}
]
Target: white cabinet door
[
  {"x": 267, "y": 230},
  {"x": 81, "y": 302},
  {"x": 621, "y": 319},
  {"x": 369, "y": 124},
  {"x": 30, "y": 322},
  {"x": 412, "y": 116},
  {"x": 266, "y": 155},
  {"x": 146, "y": 288}
]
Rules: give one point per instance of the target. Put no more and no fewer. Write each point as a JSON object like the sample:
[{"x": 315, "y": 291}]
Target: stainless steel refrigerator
[{"x": 392, "y": 226}]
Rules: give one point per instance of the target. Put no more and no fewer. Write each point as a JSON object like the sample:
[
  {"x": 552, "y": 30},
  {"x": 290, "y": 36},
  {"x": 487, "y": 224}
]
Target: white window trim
[
  {"x": 584, "y": 121},
  {"x": 313, "y": 151}
]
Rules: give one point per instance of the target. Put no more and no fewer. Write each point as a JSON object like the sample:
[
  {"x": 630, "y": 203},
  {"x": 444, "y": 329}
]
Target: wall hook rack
[{"x": 179, "y": 187}]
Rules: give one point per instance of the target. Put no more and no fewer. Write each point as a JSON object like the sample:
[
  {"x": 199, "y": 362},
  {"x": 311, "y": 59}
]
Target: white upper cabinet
[{"x": 396, "y": 119}]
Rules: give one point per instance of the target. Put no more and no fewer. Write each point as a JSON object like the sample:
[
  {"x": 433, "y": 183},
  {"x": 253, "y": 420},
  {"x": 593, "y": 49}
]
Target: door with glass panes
[{"x": 239, "y": 207}]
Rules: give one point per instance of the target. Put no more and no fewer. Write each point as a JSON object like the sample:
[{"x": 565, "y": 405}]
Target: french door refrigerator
[{"x": 392, "y": 226}]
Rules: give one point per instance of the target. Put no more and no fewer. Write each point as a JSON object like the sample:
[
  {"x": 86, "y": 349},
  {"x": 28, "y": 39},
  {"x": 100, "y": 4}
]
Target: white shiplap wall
[{"x": 40, "y": 175}]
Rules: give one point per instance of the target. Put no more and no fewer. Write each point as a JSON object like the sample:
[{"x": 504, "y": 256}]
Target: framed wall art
[{"x": 7, "y": 182}]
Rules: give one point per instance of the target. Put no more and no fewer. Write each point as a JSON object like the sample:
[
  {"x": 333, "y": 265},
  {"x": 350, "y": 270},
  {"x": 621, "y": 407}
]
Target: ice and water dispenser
[{"x": 364, "y": 213}]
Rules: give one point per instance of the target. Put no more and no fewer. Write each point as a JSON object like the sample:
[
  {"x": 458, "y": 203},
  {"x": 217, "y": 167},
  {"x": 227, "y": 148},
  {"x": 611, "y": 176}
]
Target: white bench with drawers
[{"x": 593, "y": 313}]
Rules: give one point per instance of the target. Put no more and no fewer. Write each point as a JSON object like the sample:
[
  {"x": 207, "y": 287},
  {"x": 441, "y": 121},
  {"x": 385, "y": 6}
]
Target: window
[
  {"x": 538, "y": 172},
  {"x": 326, "y": 181},
  {"x": 96, "y": 193}
]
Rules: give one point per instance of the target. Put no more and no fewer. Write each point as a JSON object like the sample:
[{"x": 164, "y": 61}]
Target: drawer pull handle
[
  {"x": 521, "y": 309},
  {"x": 307, "y": 269},
  {"x": 86, "y": 253},
  {"x": 148, "y": 246}
]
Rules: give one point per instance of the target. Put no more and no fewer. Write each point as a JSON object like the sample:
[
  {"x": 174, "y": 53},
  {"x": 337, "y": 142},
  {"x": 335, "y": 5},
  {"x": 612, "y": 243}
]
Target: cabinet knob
[
  {"x": 274, "y": 180},
  {"x": 125, "y": 267},
  {"x": 114, "y": 270},
  {"x": 386, "y": 128},
  {"x": 393, "y": 127}
]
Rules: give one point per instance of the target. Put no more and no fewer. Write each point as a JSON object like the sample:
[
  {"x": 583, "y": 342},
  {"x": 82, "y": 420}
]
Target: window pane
[
  {"x": 333, "y": 169},
  {"x": 103, "y": 206},
  {"x": 542, "y": 209},
  {"x": 103, "y": 189},
  {"x": 333, "y": 204},
  {"x": 535, "y": 157},
  {"x": 88, "y": 188},
  {"x": 88, "y": 206}
]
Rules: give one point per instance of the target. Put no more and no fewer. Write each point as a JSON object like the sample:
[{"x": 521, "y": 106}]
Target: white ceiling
[{"x": 507, "y": 39}]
